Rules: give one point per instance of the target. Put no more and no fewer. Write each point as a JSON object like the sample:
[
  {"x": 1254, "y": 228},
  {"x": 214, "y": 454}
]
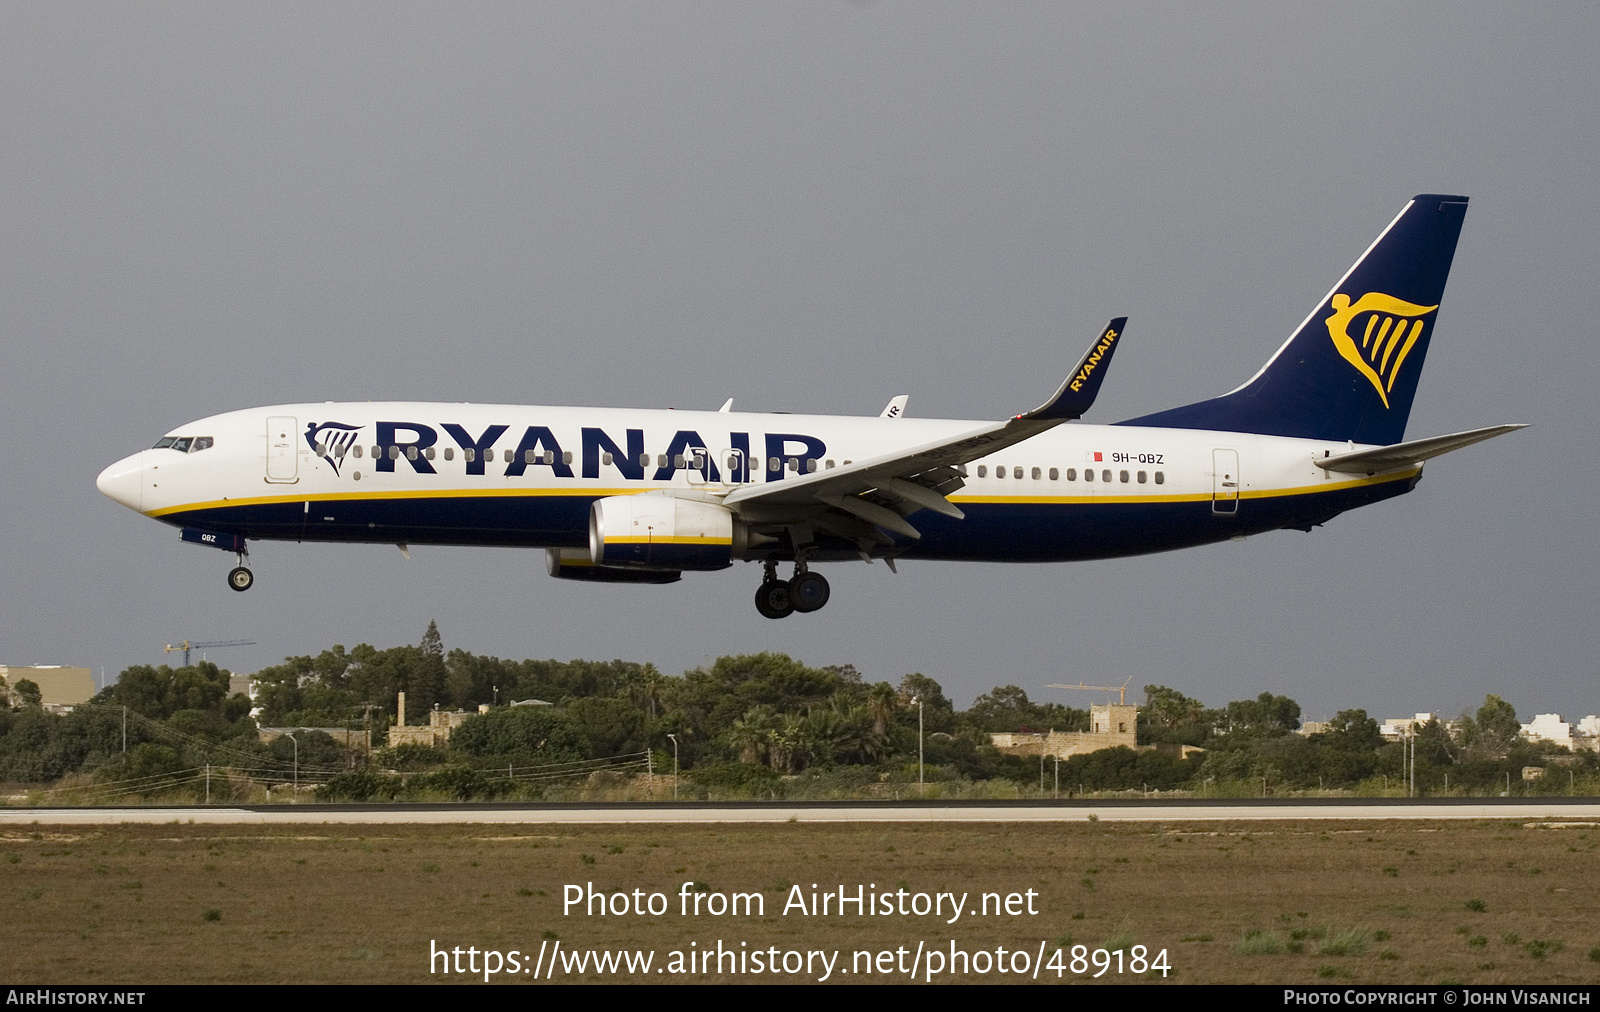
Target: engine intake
[{"x": 658, "y": 531}]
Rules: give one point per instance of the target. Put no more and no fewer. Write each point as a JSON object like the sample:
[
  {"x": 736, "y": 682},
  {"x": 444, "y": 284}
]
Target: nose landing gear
[
  {"x": 239, "y": 577},
  {"x": 804, "y": 592}
]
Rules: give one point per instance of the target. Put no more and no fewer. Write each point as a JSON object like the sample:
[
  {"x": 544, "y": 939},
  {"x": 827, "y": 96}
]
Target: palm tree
[
  {"x": 751, "y": 734},
  {"x": 881, "y": 703}
]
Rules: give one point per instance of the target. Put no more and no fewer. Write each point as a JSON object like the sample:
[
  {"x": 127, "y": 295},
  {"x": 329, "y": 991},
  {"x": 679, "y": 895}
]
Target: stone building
[
  {"x": 435, "y": 733},
  {"x": 1110, "y": 725},
  {"x": 60, "y": 688}
]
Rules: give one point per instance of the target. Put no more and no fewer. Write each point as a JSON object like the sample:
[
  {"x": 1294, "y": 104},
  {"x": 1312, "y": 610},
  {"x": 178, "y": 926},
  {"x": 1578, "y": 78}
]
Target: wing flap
[{"x": 922, "y": 476}]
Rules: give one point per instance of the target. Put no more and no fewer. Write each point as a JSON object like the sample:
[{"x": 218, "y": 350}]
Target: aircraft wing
[
  {"x": 1387, "y": 458},
  {"x": 881, "y": 492}
]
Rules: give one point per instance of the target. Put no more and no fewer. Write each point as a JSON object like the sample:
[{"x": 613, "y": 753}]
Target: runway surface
[{"x": 1566, "y": 811}]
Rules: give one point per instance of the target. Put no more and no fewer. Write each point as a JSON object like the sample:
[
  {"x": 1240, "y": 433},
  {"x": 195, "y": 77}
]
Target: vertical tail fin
[{"x": 1350, "y": 371}]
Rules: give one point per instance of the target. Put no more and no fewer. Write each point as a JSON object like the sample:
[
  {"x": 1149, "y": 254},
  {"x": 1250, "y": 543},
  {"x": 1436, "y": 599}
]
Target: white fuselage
[{"x": 521, "y": 475}]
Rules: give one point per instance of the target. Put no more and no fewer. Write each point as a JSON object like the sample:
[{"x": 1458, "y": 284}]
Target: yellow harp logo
[{"x": 1393, "y": 326}]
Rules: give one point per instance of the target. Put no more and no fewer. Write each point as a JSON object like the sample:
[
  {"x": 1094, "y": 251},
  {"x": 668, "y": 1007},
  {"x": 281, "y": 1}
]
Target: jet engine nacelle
[
  {"x": 658, "y": 531},
  {"x": 574, "y": 564}
]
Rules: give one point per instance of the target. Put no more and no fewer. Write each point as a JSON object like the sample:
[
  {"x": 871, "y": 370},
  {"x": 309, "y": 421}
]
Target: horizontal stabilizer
[{"x": 1387, "y": 458}]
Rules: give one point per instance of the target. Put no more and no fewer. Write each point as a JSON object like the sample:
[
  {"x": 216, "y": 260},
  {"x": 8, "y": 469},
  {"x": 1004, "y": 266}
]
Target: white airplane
[{"x": 640, "y": 496}]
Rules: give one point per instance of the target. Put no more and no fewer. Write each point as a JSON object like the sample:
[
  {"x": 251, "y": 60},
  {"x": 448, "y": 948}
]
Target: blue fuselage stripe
[{"x": 1018, "y": 531}]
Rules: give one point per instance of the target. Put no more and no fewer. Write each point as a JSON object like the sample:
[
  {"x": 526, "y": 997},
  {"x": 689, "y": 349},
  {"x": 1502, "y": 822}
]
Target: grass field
[{"x": 1326, "y": 902}]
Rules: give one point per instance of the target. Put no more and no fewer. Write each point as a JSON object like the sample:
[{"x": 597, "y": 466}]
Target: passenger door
[
  {"x": 1225, "y": 482},
  {"x": 282, "y": 452}
]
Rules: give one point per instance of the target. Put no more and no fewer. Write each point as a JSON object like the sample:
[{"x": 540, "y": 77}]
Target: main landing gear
[
  {"x": 804, "y": 592},
  {"x": 239, "y": 577}
]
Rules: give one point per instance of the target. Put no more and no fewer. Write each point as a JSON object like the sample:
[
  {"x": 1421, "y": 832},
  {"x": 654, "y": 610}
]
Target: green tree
[
  {"x": 1170, "y": 709},
  {"x": 27, "y": 692},
  {"x": 540, "y": 733},
  {"x": 1265, "y": 715},
  {"x": 1353, "y": 731},
  {"x": 610, "y": 726}
]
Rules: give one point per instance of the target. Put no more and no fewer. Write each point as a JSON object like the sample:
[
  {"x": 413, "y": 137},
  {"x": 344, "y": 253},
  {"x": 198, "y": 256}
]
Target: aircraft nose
[{"x": 124, "y": 481}]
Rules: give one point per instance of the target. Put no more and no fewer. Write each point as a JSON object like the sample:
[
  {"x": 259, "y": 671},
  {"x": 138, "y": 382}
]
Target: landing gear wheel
[
  {"x": 240, "y": 578},
  {"x": 809, "y": 591},
  {"x": 773, "y": 599}
]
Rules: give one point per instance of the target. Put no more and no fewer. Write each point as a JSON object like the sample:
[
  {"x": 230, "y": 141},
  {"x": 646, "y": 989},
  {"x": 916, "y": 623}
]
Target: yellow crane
[
  {"x": 1120, "y": 690},
  {"x": 186, "y": 646}
]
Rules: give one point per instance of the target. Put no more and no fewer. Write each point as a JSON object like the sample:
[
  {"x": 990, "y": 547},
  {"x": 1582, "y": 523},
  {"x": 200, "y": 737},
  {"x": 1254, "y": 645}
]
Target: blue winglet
[{"x": 1078, "y": 392}]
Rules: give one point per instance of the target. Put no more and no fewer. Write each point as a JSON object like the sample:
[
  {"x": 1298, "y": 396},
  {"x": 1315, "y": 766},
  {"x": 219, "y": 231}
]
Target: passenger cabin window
[
  {"x": 983, "y": 471},
  {"x": 605, "y": 458},
  {"x": 1142, "y": 477},
  {"x": 357, "y": 451},
  {"x": 1122, "y": 476},
  {"x": 1055, "y": 474},
  {"x": 1105, "y": 475},
  {"x": 1072, "y": 474},
  {"x": 449, "y": 453},
  {"x": 1016, "y": 472},
  {"x": 1161, "y": 478},
  {"x": 1088, "y": 474},
  {"x": 1036, "y": 474}
]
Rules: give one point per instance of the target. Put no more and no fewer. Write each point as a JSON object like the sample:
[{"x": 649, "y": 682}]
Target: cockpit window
[{"x": 185, "y": 444}]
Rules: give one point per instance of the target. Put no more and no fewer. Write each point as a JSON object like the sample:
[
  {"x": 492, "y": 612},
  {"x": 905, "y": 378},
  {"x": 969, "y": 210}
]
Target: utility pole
[
  {"x": 674, "y": 766},
  {"x": 291, "y": 737}
]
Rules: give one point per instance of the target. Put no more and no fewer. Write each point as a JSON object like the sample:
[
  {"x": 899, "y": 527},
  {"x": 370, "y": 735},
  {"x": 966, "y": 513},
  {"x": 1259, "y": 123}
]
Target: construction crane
[
  {"x": 186, "y": 646},
  {"x": 1120, "y": 690}
]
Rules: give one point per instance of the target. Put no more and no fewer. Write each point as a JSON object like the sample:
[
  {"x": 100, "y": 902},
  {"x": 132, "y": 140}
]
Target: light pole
[
  {"x": 918, "y": 700},
  {"x": 674, "y": 766},
  {"x": 291, "y": 737}
]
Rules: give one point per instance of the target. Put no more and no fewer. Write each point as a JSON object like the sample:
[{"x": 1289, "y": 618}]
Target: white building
[
  {"x": 1550, "y": 728},
  {"x": 1398, "y": 727}
]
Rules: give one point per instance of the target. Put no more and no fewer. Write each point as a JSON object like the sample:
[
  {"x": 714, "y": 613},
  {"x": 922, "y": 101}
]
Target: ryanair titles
[
  {"x": 420, "y": 446},
  {"x": 1093, "y": 360}
]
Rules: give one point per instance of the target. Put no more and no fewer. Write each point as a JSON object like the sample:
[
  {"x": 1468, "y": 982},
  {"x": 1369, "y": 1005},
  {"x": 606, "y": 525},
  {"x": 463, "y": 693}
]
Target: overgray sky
[{"x": 806, "y": 207}]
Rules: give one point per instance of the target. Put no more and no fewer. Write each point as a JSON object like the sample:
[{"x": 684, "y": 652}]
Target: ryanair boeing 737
[{"x": 641, "y": 496}]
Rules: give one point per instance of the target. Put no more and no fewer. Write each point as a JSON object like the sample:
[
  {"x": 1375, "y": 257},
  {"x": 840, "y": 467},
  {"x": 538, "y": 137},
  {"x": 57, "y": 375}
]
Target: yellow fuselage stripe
[{"x": 589, "y": 493}]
